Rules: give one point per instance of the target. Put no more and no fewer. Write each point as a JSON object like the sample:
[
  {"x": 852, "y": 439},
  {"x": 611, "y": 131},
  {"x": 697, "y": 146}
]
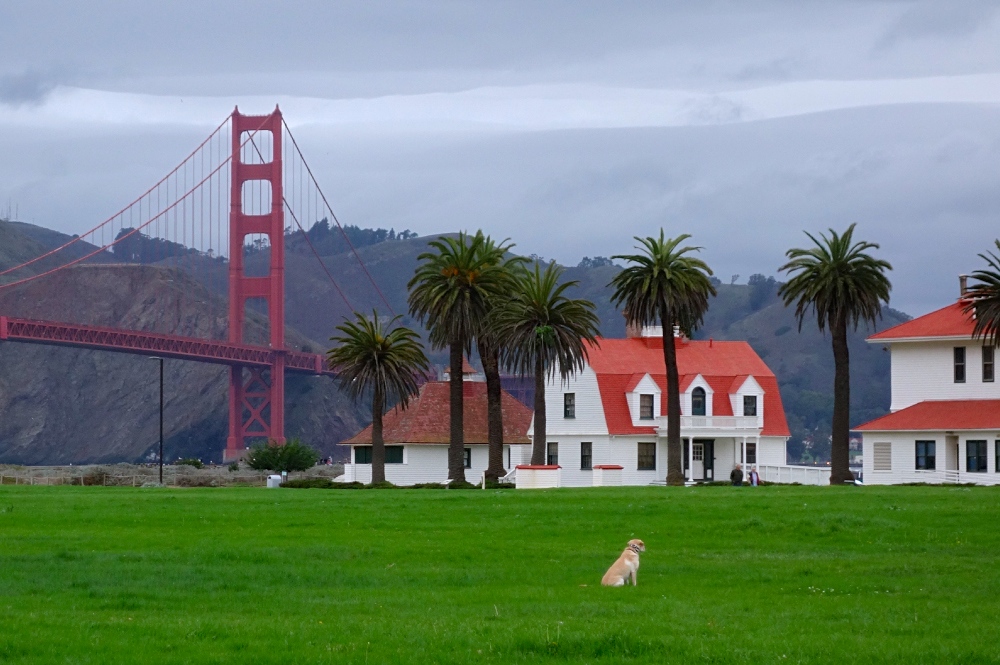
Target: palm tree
[
  {"x": 489, "y": 344},
  {"x": 382, "y": 359},
  {"x": 666, "y": 286},
  {"x": 843, "y": 285},
  {"x": 984, "y": 299},
  {"x": 543, "y": 330},
  {"x": 450, "y": 293}
]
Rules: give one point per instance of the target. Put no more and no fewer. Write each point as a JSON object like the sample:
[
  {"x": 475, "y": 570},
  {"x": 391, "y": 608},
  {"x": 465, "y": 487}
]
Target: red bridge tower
[{"x": 256, "y": 394}]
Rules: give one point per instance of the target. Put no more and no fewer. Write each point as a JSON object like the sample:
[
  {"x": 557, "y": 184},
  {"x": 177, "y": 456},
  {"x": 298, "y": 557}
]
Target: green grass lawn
[{"x": 730, "y": 575}]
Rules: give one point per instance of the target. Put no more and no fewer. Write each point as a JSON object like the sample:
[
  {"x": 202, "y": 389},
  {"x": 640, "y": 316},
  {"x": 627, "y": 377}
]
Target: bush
[
  {"x": 191, "y": 461},
  {"x": 234, "y": 467},
  {"x": 293, "y": 456},
  {"x": 309, "y": 483}
]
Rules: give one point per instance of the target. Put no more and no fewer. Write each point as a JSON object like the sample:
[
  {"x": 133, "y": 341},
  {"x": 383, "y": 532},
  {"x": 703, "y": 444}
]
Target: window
[
  {"x": 698, "y": 402},
  {"x": 975, "y": 456},
  {"x": 394, "y": 454},
  {"x": 362, "y": 454},
  {"x": 586, "y": 455},
  {"x": 882, "y": 456},
  {"x": 751, "y": 453},
  {"x": 468, "y": 458},
  {"x": 988, "y": 353},
  {"x": 959, "y": 364},
  {"x": 553, "y": 456},
  {"x": 996, "y": 467},
  {"x": 925, "y": 455},
  {"x": 749, "y": 405},
  {"x": 508, "y": 458},
  {"x": 645, "y": 407},
  {"x": 569, "y": 405},
  {"x": 647, "y": 456}
]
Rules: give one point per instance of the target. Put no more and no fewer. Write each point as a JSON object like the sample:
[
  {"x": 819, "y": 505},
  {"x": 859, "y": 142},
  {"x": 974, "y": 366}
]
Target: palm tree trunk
[
  {"x": 494, "y": 408},
  {"x": 456, "y": 448},
  {"x": 675, "y": 472},
  {"x": 378, "y": 443},
  {"x": 538, "y": 438},
  {"x": 840, "y": 443}
]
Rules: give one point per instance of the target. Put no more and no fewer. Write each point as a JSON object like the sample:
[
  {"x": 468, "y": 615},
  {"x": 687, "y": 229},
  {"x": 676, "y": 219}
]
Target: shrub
[
  {"x": 293, "y": 456},
  {"x": 309, "y": 483},
  {"x": 191, "y": 461},
  {"x": 234, "y": 467}
]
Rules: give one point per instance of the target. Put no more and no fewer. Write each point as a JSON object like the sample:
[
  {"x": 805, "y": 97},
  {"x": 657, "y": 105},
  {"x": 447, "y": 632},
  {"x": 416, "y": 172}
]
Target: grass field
[{"x": 730, "y": 575}]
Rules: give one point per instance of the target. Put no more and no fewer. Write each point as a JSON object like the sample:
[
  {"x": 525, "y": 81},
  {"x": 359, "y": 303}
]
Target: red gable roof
[
  {"x": 948, "y": 321},
  {"x": 427, "y": 419},
  {"x": 970, "y": 414},
  {"x": 617, "y": 361}
]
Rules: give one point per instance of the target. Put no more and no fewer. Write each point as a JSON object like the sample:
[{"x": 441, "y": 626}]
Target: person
[
  {"x": 737, "y": 475},
  {"x": 753, "y": 476}
]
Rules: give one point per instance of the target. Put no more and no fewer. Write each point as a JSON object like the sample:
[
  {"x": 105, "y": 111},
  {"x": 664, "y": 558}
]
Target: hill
[
  {"x": 63, "y": 405},
  {"x": 161, "y": 296}
]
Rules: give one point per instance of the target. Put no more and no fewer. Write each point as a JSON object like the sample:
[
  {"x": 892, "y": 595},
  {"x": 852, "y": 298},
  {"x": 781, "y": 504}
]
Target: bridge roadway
[{"x": 154, "y": 344}]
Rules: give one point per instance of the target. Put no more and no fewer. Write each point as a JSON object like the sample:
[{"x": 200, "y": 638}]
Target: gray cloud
[
  {"x": 928, "y": 18},
  {"x": 29, "y": 87}
]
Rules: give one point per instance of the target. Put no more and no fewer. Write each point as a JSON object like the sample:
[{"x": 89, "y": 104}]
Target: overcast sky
[{"x": 568, "y": 126}]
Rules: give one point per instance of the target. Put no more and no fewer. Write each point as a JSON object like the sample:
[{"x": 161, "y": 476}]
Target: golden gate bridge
[{"x": 220, "y": 215}]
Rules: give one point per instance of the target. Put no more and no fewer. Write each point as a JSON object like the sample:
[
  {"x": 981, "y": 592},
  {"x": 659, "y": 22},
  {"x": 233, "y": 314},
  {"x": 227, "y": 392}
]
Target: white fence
[
  {"x": 718, "y": 422},
  {"x": 805, "y": 475}
]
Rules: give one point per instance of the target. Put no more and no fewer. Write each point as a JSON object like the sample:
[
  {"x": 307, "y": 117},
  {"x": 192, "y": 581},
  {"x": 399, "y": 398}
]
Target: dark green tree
[
  {"x": 372, "y": 357},
  {"x": 451, "y": 293},
  {"x": 544, "y": 332},
  {"x": 842, "y": 284},
  {"x": 664, "y": 285}
]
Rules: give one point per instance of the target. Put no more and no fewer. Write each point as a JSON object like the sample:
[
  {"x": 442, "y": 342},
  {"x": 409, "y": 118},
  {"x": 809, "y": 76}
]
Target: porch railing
[{"x": 718, "y": 422}]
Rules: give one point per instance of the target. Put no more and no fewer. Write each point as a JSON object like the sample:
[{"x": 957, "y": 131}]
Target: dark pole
[{"x": 161, "y": 421}]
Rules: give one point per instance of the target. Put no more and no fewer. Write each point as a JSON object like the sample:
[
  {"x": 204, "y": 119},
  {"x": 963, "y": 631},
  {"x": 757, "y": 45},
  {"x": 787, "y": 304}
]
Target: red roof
[
  {"x": 617, "y": 361},
  {"x": 948, "y": 321},
  {"x": 427, "y": 419},
  {"x": 970, "y": 414}
]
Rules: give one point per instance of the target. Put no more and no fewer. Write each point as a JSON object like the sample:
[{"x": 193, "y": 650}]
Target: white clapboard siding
[
  {"x": 771, "y": 450},
  {"x": 589, "y": 418},
  {"x": 925, "y": 371},
  {"x": 425, "y": 463},
  {"x": 950, "y": 458}
]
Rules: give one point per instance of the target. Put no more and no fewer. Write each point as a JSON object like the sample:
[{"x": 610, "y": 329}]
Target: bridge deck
[{"x": 154, "y": 344}]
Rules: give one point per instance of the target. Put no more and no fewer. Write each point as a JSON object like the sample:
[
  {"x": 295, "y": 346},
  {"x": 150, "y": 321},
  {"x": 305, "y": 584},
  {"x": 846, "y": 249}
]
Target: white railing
[
  {"x": 718, "y": 422},
  {"x": 806, "y": 475},
  {"x": 941, "y": 477}
]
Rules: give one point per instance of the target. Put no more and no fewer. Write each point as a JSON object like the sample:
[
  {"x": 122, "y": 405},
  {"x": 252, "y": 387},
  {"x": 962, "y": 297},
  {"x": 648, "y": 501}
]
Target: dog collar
[{"x": 634, "y": 548}]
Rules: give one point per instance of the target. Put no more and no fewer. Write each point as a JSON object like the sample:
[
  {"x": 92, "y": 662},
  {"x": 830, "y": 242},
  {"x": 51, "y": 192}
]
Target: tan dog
[{"x": 626, "y": 566}]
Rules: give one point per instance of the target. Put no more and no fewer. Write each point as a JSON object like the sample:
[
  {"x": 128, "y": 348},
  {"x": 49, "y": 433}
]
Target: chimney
[
  {"x": 963, "y": 285},
  {"x": 632, "y": 330}
]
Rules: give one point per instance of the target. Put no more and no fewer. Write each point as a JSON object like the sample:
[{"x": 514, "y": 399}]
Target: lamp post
[{"x": 161, "y": 415}]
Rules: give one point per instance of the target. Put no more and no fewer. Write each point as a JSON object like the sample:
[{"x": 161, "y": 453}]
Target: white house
[
  {"x": 417, "y": 439},
  {"x": 944, "y": 420},
  {"x": 614, "y": 413}
]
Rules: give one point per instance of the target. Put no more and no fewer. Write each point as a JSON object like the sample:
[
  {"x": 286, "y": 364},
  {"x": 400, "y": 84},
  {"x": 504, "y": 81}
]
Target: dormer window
[
  {"x": 698, "y": 402},
  {"x": 749, "y": 405},
  {"x": 645, "y": 407}
]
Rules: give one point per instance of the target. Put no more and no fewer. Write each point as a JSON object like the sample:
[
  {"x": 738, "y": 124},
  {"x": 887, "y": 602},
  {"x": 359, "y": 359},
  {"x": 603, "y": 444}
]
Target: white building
[
  {"x": 614, "y": 413},
  {"x": 944, "y": 420},
  {"x": 416, "y": 440}
]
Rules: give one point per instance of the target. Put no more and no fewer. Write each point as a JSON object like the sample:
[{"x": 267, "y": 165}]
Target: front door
[
  {"x": 697, "y": 460},
  {"x": 703, "y": 459}
]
